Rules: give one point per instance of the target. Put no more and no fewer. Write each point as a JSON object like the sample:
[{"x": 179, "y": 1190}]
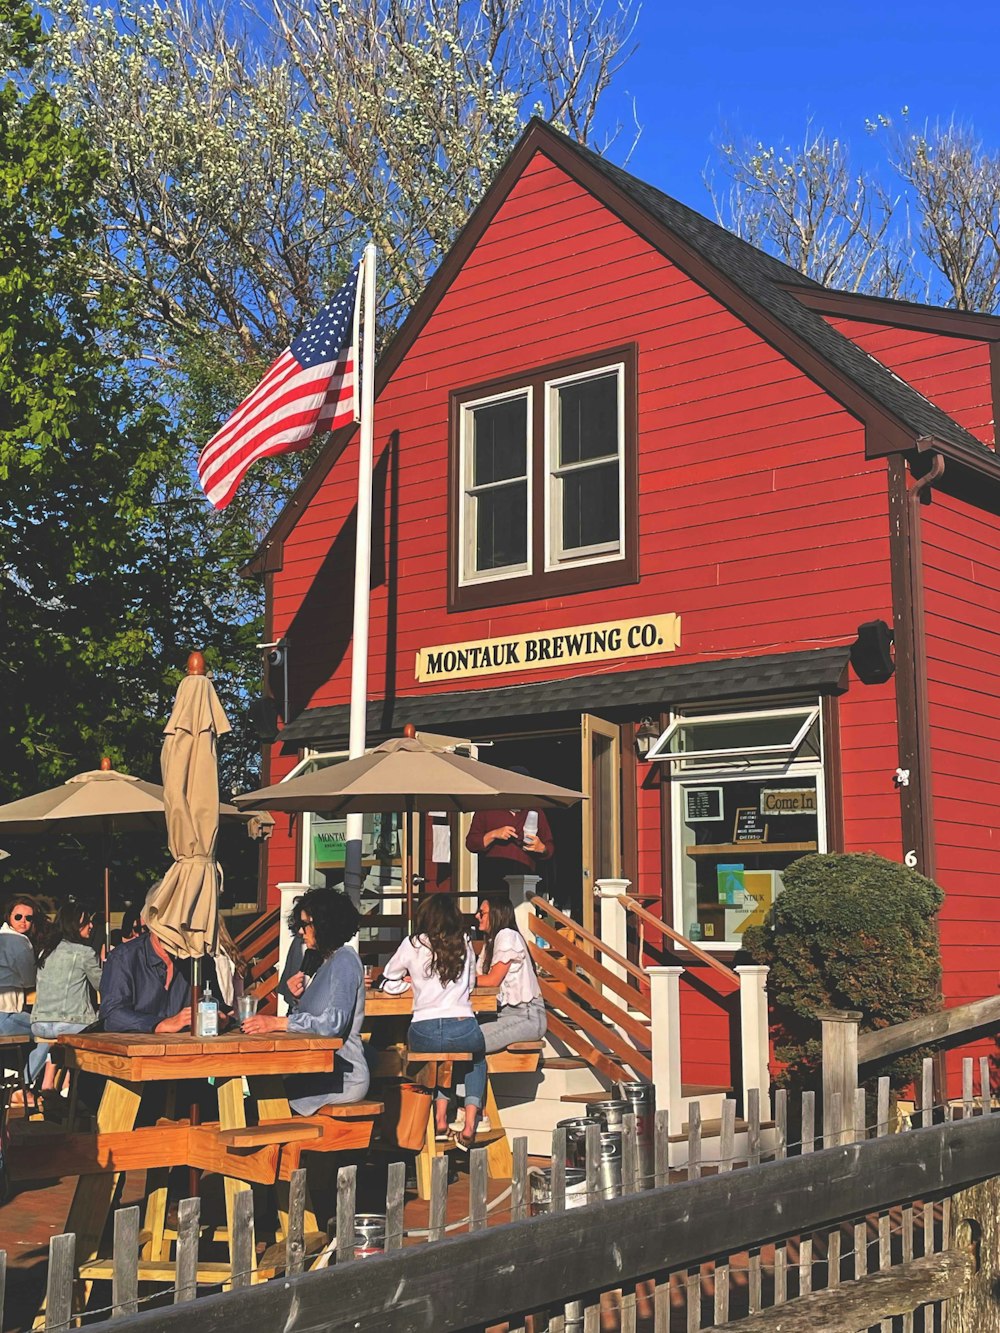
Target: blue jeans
[
  {"x": 454, "y": 1034},
  {"x": 37, "y": 1058}
]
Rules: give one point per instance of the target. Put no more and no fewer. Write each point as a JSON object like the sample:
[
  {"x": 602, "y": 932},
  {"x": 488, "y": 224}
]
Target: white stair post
[
  {"x": 522, "y": 889},
  {"x": 665, "y": 1008},
  {"x": 289, "y": 892},
  {"x": 754, "y": 1035},
  {"x": 614, "y": 928}
]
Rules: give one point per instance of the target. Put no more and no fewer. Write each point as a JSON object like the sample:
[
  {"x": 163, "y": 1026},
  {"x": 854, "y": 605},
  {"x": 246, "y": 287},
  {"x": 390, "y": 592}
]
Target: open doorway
[{"x": 553, "y": 758}]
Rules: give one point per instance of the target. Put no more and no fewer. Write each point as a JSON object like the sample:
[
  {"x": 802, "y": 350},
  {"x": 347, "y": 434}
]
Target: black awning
[{"x": 475, "y": 710}]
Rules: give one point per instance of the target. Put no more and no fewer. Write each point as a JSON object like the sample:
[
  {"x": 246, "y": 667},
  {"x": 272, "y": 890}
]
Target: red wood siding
[
  {"x": 761, "y": 522},
  {"x": 961, "y": 564},
  {"x": 952, "y": 372}
]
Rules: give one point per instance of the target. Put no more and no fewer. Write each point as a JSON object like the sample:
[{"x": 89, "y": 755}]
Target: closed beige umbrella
[{"x": 183, "y": 910}]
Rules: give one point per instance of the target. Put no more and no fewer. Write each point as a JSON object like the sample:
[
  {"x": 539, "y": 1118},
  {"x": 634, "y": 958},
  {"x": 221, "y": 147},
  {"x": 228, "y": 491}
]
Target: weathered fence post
[
  {"x": 974, "y": 1219},
  {"x": 840, "y": 1073},
  {"x": 665, "y": 1009},
  {"x": 754, "y": 1036}
]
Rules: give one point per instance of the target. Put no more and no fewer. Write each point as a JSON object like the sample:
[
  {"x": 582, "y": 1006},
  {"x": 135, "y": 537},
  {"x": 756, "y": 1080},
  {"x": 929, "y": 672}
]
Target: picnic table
[{"x": 133, "y": 1064}]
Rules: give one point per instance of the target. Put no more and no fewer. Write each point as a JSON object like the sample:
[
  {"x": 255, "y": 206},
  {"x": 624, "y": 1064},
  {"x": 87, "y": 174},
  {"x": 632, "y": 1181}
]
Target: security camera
[
  {"x": 275, "y": 657},
  {"x": 274, "y": 652}
]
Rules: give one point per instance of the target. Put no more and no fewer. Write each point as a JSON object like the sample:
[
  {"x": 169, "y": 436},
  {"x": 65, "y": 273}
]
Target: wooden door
[{"x": 602, "y": 814}]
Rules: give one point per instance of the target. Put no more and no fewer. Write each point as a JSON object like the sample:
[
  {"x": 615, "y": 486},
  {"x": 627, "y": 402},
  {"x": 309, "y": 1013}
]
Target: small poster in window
[
  {"x": 328, "y": 847},
  {"x": 749, "y": 826},
  {"x": 731, "y": 884}
]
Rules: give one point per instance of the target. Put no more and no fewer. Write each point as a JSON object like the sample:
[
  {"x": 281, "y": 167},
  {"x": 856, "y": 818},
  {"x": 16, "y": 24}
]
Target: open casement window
[
  {"x": 544, "y": 483},
  {"x": 732, "y": 738}
]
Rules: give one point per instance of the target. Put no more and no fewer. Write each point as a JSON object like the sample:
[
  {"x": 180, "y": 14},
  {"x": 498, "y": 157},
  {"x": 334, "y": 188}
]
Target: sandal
[{"x": 465, "y": 1142}]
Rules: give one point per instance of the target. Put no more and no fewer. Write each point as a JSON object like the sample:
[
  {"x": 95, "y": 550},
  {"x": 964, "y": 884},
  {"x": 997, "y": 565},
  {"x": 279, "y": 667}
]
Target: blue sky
[{"x": 764, "y": 69}]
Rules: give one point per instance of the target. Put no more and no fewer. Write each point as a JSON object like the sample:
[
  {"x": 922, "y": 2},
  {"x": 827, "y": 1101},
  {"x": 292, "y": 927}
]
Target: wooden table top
[
  {"x": 15, "y": 1039},
  {"x": 135, "y": 1057},
  {"x": 379, "y": 1004}
]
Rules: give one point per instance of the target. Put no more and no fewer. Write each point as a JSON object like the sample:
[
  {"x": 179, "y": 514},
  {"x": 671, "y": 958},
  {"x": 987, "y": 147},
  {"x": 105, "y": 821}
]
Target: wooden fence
[{"x": 813, "y": 1233}]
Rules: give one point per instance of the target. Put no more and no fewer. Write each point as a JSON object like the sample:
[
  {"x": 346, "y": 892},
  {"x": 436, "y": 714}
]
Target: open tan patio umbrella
[
  {"x": 409, "y": 775},
  {"x": 101, "y": 801},
  {"x": 183, "y": 909}
]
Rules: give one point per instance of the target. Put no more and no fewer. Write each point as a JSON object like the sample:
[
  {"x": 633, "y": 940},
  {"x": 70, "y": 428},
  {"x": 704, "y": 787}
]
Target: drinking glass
[{"x": 246, "y": 1007}]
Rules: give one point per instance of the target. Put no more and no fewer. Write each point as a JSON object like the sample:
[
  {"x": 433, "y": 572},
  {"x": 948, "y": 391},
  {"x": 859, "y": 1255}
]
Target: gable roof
[{"x": 759, "y": 289}]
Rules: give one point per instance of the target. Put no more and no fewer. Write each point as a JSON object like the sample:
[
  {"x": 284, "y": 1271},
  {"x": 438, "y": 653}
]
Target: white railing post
[
  {"x": 613, "y": 927},
  {"x": 522, "y": 889},
  {"x": 754, "y": 1035},
  {"x": 665, "y": 1011},
  {"x": 289, "y": 892}
]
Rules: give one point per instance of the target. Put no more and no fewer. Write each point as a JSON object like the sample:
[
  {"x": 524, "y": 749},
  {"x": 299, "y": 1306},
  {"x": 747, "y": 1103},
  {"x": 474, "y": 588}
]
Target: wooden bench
[
  {"x": 520, "y": 1057},
  {"x": 344, "y": 1128}
]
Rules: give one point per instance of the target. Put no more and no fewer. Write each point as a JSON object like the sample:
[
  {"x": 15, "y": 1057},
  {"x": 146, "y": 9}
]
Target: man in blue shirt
[{"x": 146, "y": 989}]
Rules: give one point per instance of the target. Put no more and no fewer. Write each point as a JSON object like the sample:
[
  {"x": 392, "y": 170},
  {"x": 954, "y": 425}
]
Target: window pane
[
  {"x": 500, "y": 441},
  {"x": 502, "y": 527},
  {"x": 732, "y": 866},
  {"x": 590, "y": 507},
  {"x": 588, "y": 420}
]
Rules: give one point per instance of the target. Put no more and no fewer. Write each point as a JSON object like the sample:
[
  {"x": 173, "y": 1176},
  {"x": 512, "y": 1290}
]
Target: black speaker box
[
  {"x": 871, "y": 653},
  {"x": 263, "y": 714}
]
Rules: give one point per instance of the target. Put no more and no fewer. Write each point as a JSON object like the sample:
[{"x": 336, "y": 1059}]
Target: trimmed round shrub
[{"x": 848, "y": 931}]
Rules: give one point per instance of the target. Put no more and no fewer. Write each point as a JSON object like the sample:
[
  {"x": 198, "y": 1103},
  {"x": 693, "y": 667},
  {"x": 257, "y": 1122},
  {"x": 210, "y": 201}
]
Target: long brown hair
[
  {"x": 501, "y": 918},
  {"x": 440, "y": 922}
]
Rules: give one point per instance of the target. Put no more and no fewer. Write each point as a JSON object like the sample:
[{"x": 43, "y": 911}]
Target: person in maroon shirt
[{"x": 498, "y": 839}]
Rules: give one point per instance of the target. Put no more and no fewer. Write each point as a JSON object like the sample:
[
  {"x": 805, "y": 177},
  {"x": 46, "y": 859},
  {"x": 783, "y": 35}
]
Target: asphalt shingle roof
[
  {"x": 818, "y": 671},
  {"x": 764, "y": 279}
]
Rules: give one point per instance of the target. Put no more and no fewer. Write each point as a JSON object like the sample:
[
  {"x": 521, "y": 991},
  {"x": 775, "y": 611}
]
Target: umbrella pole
[
  {"x": 408, "y": 859},
  {"x": 106, "y": 840}
]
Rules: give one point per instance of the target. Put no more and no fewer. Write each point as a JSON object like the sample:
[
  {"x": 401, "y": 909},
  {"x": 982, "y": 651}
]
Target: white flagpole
[{"x": 353, "y": 877}]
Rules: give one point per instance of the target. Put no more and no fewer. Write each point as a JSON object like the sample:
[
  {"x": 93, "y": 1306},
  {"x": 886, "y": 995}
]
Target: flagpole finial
[
  {"x": 105, "y": 765},
  {"x": 196, "y": 664},
  {"x": 410, "y": 731}
]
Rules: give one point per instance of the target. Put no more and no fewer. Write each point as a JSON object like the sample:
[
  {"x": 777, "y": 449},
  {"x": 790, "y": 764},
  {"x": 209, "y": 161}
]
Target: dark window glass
[
  {"x": 500, "y": 441},
  {"x": 502, "y": 526},
  {"x": 588, "y": 419},
  {"x": 590, "y": 506}
]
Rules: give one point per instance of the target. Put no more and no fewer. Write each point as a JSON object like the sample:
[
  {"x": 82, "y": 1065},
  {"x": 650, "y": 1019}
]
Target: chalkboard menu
[
  {"x": 750, "y": 826},
  {"x": 702, "y": 805}
]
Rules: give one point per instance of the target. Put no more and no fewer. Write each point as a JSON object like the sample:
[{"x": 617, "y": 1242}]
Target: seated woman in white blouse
[{"x": 505, "y": 962}]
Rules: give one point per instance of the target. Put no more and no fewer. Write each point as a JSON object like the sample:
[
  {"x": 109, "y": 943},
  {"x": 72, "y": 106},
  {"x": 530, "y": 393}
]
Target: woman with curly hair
[
  {"x": 329, "y": 1002},
  {"x": 438, "y": 962},
  {"x": 22, "y": 929}
]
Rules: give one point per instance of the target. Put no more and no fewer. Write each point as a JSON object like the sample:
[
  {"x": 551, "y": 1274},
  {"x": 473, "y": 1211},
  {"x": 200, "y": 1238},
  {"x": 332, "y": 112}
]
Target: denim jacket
[{"x": 66, "y": 984}]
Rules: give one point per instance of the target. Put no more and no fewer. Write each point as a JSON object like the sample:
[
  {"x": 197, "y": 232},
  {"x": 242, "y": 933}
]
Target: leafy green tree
[
  {"x": 848, "y": 931},
  {"x": 106, "y": 567}
]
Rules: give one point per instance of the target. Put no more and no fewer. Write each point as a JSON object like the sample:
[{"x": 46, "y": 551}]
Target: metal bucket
[
  {"x": 540, "y": 1186},
  {"x": 642, "y": 1098},
  {"x": 576, "y": 1138},
  {"x": 609, "y": 1165},
  {"x": 369, "y": 1234},
  {"x": 610, "y": 1112}
]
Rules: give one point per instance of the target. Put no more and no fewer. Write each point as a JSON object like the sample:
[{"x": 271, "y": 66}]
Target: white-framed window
[
  {"x": 544, "y": 481},
  {"x": 495, "y": 518},
  {"x": 747, "y": 799},
  {"x": 585, "y": 467}
]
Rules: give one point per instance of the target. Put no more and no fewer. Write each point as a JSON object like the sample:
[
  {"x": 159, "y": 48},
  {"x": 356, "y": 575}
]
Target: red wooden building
[{"x": 637, "y": 487}]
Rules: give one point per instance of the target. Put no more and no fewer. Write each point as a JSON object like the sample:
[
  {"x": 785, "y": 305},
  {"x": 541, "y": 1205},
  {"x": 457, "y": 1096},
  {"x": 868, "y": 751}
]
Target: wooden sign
[
  {"x": 645, "y": 637},
  {"x": 749, "y": 826},
  {"x": 702, "y": 805},
  {"x": 788, "y": 801}
]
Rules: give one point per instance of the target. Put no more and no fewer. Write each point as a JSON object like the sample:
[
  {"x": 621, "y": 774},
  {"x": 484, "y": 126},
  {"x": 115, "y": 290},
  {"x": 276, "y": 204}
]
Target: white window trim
[
  {"x": 468, "y": 575},
  {"x": 813, "y": 767},
  {"x": 660, "y": 750},
  {"x": 603, "y": 552}
]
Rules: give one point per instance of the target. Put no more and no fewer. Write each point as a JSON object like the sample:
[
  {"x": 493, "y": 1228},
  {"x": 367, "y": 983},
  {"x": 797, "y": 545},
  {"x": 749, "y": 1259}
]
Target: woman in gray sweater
[{"x": 69, "y": 973}]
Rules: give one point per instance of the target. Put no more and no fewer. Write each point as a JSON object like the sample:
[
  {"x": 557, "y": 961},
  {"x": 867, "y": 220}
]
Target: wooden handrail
[
  {"x": 649, "y": 919},
  {"x": 542, "y": 905},
  {"x": 949, "y": 1027}
]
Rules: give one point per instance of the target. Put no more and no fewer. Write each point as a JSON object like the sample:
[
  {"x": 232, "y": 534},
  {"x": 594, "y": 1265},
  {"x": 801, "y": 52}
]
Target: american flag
[{"x": 312, "y": 387}]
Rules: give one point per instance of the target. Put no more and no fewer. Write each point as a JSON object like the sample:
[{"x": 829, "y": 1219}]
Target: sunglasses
[
  {"x": 301, "y": 925},
  {"x": 20, "y": 916}
]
